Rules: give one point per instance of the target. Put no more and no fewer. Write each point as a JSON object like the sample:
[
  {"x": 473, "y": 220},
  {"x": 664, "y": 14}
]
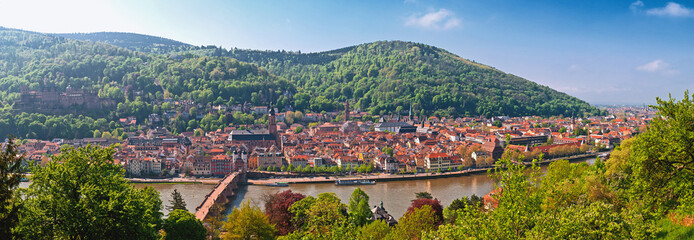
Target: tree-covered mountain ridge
[
  {"x": 387, "y": 77},
  {"x": 135, "y": 84},
  {"x": 132, "y": 41}
]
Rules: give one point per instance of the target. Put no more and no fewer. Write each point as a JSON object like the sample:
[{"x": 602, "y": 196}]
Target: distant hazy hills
[
  {"x": 385, "y": 77},
  {"x": 132, "y": 41}
]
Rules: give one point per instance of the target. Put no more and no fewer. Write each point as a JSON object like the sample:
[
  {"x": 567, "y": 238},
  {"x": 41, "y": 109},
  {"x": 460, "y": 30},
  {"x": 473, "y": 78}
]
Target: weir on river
[{"x": 220, "y": 194}]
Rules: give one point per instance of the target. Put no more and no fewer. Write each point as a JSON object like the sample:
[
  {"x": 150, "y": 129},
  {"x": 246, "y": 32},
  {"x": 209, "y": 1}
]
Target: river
[{"x": 396, "y": 196}]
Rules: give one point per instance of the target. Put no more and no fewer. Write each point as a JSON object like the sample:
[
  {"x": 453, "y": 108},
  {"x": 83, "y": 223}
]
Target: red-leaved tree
[
  {"x": 435, "y": 207},
  {"x": 277, "y": 210}
]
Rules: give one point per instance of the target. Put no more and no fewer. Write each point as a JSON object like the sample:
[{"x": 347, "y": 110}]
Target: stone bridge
[{"x": 220, "y": 194}]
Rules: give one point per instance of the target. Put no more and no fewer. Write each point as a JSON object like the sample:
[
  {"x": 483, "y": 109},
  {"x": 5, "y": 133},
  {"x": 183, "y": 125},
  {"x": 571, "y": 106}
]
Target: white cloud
[
  {"x": 442, "y": 19},
  {"x": 636, "y": 5},
  {"x": 653, "y": 66},
  {"x": 658, "y": 66},
  {"x": 671, "y": 10}
]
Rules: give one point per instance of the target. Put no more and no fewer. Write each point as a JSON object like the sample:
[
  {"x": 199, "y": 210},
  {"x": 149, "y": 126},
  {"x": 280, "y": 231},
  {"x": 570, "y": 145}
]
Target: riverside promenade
[
  {"x": 220, "y": 194},
  {"x": 384, "y": 177},
  {"x": 175, "y": 180}
]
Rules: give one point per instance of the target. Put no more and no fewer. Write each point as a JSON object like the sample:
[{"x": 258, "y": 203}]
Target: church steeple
[{"x": 272, "y": 126}]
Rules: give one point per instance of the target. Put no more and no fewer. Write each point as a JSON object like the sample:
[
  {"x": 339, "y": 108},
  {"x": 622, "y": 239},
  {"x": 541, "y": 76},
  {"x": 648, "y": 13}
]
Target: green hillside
[
  {"x": 135, "y": 83},
  {"x": 131, "y": 41},
  {"x": 387, "y": 76}
]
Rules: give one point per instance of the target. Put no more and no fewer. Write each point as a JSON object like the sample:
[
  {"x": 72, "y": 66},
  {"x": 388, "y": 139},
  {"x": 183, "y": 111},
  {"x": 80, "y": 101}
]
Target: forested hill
[
  {"x": 135, "y": 83},
  {"x": 388, "y": 76},
  {"x": 132, "y": 41}
]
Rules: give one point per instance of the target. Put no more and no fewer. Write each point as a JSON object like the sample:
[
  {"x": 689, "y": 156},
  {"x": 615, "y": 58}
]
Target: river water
[{"x": 396, "y": 195}]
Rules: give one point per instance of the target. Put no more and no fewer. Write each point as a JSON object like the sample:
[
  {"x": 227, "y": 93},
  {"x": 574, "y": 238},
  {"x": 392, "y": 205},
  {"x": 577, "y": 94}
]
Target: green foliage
[
  {"x": 300, "y": 211},
  {"x": 82, "y": 194},
  {"x": 374, "y": 230},
  {"x": 415, "y": 223},
  {"x": 132, "y": 81},
  {"x": 672, "y": 231},
  {"x": 662, "y": 159},
  {"x": 562, "y": 130},
  {"x": 380, "y": 77},
  {"x": 248, "y": 222},
  {"x": 570, "y": 201},
  {"x": 183, "y": 225},
  {"x": 425, "y": 195},
  {"x": 386, "y": 75},
  {"x": 10, "y": 176},
  {"x": 359, "y": 211},
  {"x": 132, "y": 41},
  {"x": 176, "y": 202},
  {"x": 388, "y": 151},
  {"x": 450, "y": 213},
  {"x": 580, "y": 131},
  {"x": 325, "y": 213},
  {"x": 597, "y": 220},
  {"x": 41, "y": 126}
]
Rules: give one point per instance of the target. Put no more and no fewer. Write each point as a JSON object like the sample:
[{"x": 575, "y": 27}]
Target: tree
[
  {"x": 374, "y": 230},
  {"x": 10, "y": 176},
  {"x": 435, "y": 205},
  {"x": 425, "y": 195},
  {"x": 414, "y": 223},
  {"x": 497, "y": 123},
  {"x": 300, "y": 211},
  {"x": 198, "y": 132},
  {"x": 82, "y": 194},
  {"x": 248, "y": 222},
  {"x": 183, "y": 225},
  {"x": 580, "y": 131},
  {"x": 359, "y": 212},
  {"x": 658, "y": 165},
  {"x": 277, "y": 210},
  {"x": 326, "y": 213},
  {"x": 298, "y": 129},
  {"x": 451, "y": 212},
  {"x": 176, "y": 202},
  {"x": 388, "y": 151}
]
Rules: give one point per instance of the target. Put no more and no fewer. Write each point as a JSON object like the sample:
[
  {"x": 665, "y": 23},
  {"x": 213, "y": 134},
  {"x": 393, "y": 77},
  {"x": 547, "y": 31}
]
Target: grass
[{"x": 669, "y": 230}]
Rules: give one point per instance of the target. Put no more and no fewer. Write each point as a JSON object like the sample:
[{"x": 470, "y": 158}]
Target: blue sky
[{"x": 600, "y": 51}]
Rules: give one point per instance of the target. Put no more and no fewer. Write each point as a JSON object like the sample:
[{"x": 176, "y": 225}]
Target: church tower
[{"x": 272, "y": 126}]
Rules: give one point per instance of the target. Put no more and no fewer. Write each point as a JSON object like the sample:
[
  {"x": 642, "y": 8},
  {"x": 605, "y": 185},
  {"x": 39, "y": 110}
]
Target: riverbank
[
  {"x": 384, "y": 177},
  {"x": 210, "y": 181}
]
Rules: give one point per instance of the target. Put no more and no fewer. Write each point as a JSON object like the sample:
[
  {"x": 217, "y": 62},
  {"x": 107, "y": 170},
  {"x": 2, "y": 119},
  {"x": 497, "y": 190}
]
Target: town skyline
[{"x": 617, "y": 52}]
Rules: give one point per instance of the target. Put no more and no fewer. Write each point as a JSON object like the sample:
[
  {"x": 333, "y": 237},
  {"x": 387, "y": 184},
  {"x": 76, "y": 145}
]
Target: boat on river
[
  {"x": 277, "y": 184},
  {"x": 354, "y": 182}
]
